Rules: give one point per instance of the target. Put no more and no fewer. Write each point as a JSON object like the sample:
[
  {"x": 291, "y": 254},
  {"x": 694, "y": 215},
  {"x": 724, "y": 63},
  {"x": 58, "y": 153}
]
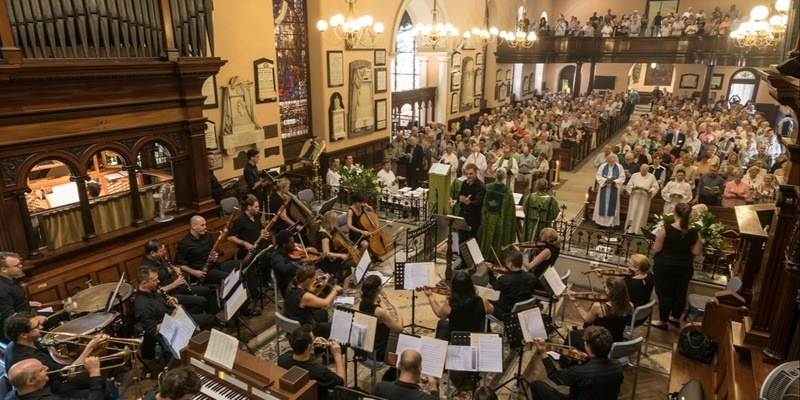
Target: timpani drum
[
  {"x": 70, "y": 347},
  {"x": 95, "y": 298}
]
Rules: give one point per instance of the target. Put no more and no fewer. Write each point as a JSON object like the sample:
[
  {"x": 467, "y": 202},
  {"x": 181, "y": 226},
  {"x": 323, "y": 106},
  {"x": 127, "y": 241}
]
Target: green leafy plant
[
  {"x": 706, "y": 224},
  {"x": 357, "y": 179}
]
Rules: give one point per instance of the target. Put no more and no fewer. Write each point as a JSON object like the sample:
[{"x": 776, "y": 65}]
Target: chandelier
[
  {"x": 435, "y": 34},
  {"x": 763, "y": 30},
  {"x": 485, "y": 35},
  {"x": 519, "y": 39},
  {"x": 351, "y": 29}
]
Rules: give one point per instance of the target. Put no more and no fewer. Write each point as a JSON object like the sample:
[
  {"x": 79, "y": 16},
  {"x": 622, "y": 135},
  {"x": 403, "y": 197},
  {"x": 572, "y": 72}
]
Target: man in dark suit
[
  {"x": 599, "y": 379},
  {"x": 415, "y": 156},
  {"x": 676, "y": 139}
]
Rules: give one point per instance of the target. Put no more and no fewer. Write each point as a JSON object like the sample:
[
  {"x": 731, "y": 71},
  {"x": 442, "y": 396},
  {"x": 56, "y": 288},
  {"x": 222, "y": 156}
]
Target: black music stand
[
  {"x": 465, "y": 339},
  {"x": 514, "y": 337},
  {"x": 399, "y": 284},
  {"x": 235, "y": 313},
  {"x": 262, "y": 292},
  {"x": 451, "y": 221}
]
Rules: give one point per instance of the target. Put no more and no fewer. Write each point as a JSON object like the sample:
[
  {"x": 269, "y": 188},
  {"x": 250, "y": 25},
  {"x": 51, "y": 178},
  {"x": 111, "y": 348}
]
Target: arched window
[
  {"x": 566, "y": 79},
  {"x": 744, "y": 84},
  {"x": 405, "y": 70}
]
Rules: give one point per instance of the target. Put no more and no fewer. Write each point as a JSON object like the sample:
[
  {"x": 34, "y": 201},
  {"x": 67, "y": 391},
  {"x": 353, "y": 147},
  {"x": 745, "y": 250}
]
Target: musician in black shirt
[
  {"x": 195, "y": 298},
  {"x": 255, "y": 183},
  {"x": 12, "y": 296},
  {"x": 515, "y": 286},
  {"x": 302, "y": 343},
  {"x": 194, "y": 250},
  {"x": 598, "y": 379},
  {"x": 406, "y": 387},
  {"x": 177, "y": 384},
  {"x": 217, "y": 190},
  {"x": 246, "y": 230},
  {"x": 30, "y": 380},
  {"x": 470, "y": 200},
  {"x": 285, "y": 269}
]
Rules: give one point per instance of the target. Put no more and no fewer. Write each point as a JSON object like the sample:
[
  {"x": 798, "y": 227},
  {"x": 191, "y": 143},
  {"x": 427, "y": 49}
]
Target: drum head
[
  {"x": 86, "y": 325},
  {"x": 95, "y": 298}
]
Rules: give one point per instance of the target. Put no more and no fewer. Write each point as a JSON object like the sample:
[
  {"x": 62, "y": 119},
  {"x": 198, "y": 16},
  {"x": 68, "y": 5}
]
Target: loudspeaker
[{"x": 790, "y": 67}]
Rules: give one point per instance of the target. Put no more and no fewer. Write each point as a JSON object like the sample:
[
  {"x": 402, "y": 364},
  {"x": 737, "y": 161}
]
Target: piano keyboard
[{"x": 211, "y": 389}]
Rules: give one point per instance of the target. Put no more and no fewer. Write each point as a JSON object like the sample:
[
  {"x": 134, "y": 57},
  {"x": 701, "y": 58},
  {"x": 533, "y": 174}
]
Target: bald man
[
  {"x": 29, "y": 378},
  {"x": 194, "y": 250},
  {"x": 406, "y": 387}
]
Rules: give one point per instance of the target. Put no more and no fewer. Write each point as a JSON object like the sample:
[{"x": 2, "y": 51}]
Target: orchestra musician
[
  {"x": 371, "y": 304},
  {"x": 196, "y": 298},
  {"x": 12, "y": 296},
  {"x": 303, "y": 303},
  {"x": 177, "y": 384},
  {"x": 244, "y": 233},
  {"x": 598, "y": 379},
  {"x": 255, "y": 184},
  {"x": 356, "y": 232},
  {"x": 463, "y": 311},
  {"x": 30, "y": 381},
  {"x": 282, "y": 265},
  {"x": 640, "y": 284},
  {"x": 612, "y": 314},
  {"x": 302, "y": 343},
  {"x": 406, "y": 387},
  {"x": 337, "y": 264},
  {"x": 150, "y": 306},
  {"x": 515, "y": 286},
  {"x": 547, "y": 255},
  {"x": 276, "y": 200},
  {"x": 24, "y": 331},
  {"x": 194, "y": 250}
]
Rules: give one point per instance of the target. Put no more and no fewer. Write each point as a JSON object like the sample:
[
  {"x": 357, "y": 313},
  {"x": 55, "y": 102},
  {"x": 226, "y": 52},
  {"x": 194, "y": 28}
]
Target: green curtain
[
  {"x": 112, "y": 213},
  {"x": 61, "y": 227}
]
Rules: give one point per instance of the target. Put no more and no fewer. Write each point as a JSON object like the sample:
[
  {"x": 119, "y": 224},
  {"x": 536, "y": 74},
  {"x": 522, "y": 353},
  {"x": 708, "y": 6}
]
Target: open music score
[
  {"x": 532, "y": 324},
  {"x": 250, "y": 377},
  {"x": 483, "y": 354},
  {"x": 433, "y": 351},
  {"x": 419, "y": 275},
  {"x": 221, "y": 348},
  {"x": 552, "y": 282},
  {"x": 471, "y": 253},
  {"x": 177, "y": 330},
  {"x": 354, "y": 328}
]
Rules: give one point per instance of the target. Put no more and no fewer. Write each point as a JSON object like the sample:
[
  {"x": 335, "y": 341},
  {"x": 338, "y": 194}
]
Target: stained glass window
[
  {"x": 293, "y": 80},
  {"x": 405, "y": 71}
]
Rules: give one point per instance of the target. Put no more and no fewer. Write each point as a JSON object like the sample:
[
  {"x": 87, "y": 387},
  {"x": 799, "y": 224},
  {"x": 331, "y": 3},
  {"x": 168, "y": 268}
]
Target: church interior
[{"x": 152, "y": 151}]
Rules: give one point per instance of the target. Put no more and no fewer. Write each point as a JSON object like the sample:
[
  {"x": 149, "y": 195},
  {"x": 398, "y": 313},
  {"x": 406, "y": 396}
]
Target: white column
[
  {"x": 538, "y": 76},
  {"x": 443, "y": 88},
  {"x": 517, "y": 81},
  {"x": 423, "y": 71}
]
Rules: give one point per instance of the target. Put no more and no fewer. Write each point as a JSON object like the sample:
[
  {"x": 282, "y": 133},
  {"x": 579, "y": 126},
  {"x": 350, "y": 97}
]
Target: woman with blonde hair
[
  {"x": 765, "y": 193},
  {"x": 279, "y": 196},
  {"x": 548, "y": 255},
  {"x": 640, "y": 284},
  {"x": 611, "y": 314},
  {"x": 335, "y": 263}
]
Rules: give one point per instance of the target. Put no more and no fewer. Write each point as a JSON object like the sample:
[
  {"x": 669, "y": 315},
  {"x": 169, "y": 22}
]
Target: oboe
[{"x": 176, "y": 272}]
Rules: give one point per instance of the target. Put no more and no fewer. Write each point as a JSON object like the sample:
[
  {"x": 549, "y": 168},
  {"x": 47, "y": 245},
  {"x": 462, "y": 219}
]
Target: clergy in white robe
[
  {"x": 641, "y": 187},
  {"x": 479, "y": 160},
  {"x": 509, "y": 162},
  {"x": 610, "y": 178},
  {"x": 677, "y": 191}
]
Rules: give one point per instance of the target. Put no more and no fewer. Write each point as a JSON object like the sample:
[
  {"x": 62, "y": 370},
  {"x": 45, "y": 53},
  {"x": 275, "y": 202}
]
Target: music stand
[
  {"x": 465, "y": 339},
  {"x": 235, "y": 297},
  {"x": 451, "y": 221},
  {"x": 363, "y": 339},
  {"x": 399, "y": 284},
  {"x": 260, "y": 279},
  {"x": 514, "y": 337}
]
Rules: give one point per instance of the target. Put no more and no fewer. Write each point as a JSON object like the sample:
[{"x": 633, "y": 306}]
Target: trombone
[
  {"x": 111, "y": 339},
  {"x": 121, "y": 355}
]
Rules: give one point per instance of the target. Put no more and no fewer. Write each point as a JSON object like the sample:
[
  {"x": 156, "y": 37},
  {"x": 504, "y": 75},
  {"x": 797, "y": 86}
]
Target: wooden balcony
[{"x": 678, "y": 50}]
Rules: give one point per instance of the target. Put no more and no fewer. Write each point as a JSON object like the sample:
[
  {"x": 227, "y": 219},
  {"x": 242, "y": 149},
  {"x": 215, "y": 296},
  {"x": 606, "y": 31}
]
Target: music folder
[
  {"x": 354, "y": 328},
  {"x": 471, "y": 253},
  {"x": 475, "y": 352},
  {"x": 433, "y": 351}
]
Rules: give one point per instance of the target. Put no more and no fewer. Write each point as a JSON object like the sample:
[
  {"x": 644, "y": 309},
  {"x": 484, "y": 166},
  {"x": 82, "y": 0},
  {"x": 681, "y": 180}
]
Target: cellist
[
  {"x": 332, "y": 262},
  {"x": 357, "y": 233},
  {"x": 276, "y": 200}
]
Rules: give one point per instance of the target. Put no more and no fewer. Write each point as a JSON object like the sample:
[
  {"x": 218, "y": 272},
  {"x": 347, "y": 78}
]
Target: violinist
[
  {"x": 331, "y": 262},
  {"x": 276, "y": 200},
  {"x": 463, "y": 311},
  {"x": 303, "y": 304},
  {"x": 598, "y": 379},
  {"x": 357, "y": 233},
  {"x": 200, "y": 298},
  {"x": 640, "y": 284},
  {"x": 371, "y": 305},
  {"x": 547, "y": 255},
  {"x": 284, "y": 267},
  {"x": 612, "y": 314},
  {"x": 515, "y": 286},
  {"x": 245, "y": 231}
]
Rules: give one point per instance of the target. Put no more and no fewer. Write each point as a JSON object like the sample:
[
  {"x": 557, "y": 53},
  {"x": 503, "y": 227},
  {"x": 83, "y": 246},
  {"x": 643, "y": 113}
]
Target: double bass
[{"x": 380, "y": 241}]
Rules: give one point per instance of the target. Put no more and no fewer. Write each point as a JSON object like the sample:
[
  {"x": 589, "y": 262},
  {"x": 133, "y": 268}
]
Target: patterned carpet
[{"x": 657, "y": 359}]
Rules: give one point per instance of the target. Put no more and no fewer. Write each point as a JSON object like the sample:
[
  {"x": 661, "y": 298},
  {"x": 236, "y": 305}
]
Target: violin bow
[{"x": 496, "y": 258}]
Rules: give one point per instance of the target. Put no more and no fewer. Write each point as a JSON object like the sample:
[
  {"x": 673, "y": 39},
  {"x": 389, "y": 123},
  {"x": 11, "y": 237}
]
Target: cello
[{"x": 380, "y": 242}]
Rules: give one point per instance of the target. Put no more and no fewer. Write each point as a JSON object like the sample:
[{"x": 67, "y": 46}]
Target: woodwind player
[
  {"x": 200, "y": 299},
  {"x": 194, "y": 250},
  {"x": 302, "y": 344}
]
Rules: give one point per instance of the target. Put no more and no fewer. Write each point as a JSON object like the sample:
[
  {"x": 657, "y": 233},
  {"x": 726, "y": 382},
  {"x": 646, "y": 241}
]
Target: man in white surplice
[
  {"x": 642, "y": 187},
  {"x": 677, "y": 191},
  {"x": 479, "y": 160},
  {"x": 610, "y": 178}
]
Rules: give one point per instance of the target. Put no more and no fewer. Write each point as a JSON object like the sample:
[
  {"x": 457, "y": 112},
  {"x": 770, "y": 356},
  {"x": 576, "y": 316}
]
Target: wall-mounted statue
[
  {"x": 362, "y": 105},
  {"x": 239, "y": 125}
]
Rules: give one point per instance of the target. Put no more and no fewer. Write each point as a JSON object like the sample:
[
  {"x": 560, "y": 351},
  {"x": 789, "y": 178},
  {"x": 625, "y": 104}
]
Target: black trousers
[
  {"x": 543, "y": 391},
  {"x": 672, "y": 283}
]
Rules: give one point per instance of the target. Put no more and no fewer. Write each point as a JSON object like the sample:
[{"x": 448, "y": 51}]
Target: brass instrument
[
  {"x": 111, "y": 339},
  {"x": 221, "y": 237},
  {"x": 122, "y": 355}
]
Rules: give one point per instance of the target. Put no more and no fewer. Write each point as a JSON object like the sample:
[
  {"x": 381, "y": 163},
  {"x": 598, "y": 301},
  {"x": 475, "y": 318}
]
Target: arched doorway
[
  {"x": 566, "y": 79},
  {"x": 744, "y": 85}
]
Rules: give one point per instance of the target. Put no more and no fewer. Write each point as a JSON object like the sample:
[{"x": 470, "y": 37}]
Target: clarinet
[
  {"x": 221, "y": 237},
  {"x": 177, "y": 272}
]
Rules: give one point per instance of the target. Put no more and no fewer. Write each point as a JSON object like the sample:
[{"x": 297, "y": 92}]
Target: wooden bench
[
  {"x": 728, "y": 376},
  {"x": 726, "y": 215}
]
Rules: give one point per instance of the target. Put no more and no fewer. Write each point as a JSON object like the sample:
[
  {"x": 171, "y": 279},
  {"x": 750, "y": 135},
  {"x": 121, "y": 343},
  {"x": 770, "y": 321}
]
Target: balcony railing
[{"x": 116, "y": 29}]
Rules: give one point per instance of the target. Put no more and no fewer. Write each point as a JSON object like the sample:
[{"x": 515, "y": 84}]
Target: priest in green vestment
[
  {"x": 540, "y": 209},
  {"x": 497, "y": 219}
]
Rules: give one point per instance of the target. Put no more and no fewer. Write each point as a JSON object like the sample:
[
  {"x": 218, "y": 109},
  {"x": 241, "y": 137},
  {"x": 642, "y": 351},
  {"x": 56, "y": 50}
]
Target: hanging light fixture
[
  {"x": 351, "y": 29},
  {"x": 762, "y": 30},
  {"x": 435, "y": 34},
  {"x": 485, "y": 35},
  {"x": 519, "y": 39}
]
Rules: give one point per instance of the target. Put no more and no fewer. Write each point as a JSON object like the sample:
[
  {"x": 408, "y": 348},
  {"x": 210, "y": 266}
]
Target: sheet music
[
  {"x": 169, "y": 331},
  {"x": 362, "y": 266},
  {"x": 532, "y": 324},
  {"x": 517, "y": 197},
  {"x": 45, "y": 310},
  {"x": 462, "y": 358},
  {"x": 554, "y": 281},
  {"x": 230, "y": 280},
  {"x": 184, "y": 319},
  {"x": 405, "y": 342},
  {"x": 340, "y": 326},
  {"x": 490, "y": 354},
  {"x": 236, "y": 300},
  {"x": 434, "y": 352},
  {"x": 221, "y": 349},
  {"x": 344, "y": 300},
  {"x": 439, "y": 169},
  {"x": 418, "y": 275},
  {"x": 475, "y": 251},
  {"x": 368, "y": 325},
  {"x": 487, "y": 293},
  {"x": 177, "y": 332}
]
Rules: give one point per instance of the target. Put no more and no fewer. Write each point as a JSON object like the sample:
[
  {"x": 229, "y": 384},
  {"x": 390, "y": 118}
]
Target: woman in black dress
[
  {"x": 463, "y": 311},
  {"x": 356, "y": 232},
  {"x": 303, "y": 304},
  {"x": 548, "y": 255},
  {"x": 371, "y": 304},
  {"x": 332, "y": 262},
  {"x": 675, "y": 247},
  {"x": 640, "y": 284},
  {"x": 276, "y": 200},
  {"x": 612, "y": 314}
]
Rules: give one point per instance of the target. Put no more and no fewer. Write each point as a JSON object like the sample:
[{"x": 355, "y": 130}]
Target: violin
[
  {"x": 495, "y": 268},
  {"x": 565, "y": 351},
  {"x": 525, "y": 245},
  {"x": 589, "y": 296},
  {"x": 309, "y": 254},
  {"x": 609, "y": 272},
  {"x": 321, "y": 280},
  {"x": 438, "y": 290},
  {"x": 380, "y": 242}
]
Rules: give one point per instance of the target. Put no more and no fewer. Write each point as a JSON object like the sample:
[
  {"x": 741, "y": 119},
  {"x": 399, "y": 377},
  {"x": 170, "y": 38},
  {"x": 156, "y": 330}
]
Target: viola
[
  {"x": 438, "y": 290},
  {"x": 609, "y": 272},
  {"x": 380, "y": 241},
  {"x": 525, "y": 245},
  {"x": 566, "y": 351}
]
